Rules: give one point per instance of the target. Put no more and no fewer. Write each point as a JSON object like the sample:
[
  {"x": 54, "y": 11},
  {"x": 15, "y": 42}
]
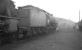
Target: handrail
[{"x": 11, "y": 17}]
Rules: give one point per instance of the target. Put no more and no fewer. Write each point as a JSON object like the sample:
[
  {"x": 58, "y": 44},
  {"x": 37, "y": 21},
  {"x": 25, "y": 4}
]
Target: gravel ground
[{"x": 80, "y": 40}]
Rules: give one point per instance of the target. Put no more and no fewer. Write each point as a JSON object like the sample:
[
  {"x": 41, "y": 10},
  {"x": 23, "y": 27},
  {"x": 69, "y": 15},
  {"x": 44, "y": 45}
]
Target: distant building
[{"x": 80, "y": 25}]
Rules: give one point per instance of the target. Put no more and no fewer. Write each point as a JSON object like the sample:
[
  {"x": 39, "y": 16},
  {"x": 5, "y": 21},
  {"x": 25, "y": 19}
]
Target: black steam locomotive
[{"x": 29, "y": 22}]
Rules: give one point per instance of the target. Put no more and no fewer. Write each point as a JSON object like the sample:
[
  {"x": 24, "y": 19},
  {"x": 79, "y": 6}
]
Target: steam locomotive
[{"x": 29, "y": 22}]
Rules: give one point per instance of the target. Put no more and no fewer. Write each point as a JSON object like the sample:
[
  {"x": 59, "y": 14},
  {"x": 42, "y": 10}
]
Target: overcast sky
[{"x": 68, "y": 9}]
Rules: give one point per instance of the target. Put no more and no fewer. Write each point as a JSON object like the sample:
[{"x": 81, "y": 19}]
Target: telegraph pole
[{"x": 79, "y": 14}]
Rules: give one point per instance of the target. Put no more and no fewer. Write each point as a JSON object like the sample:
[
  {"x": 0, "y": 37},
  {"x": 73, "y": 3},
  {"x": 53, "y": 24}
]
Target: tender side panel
[
  {"x": 25, "y": 21},
  {"x": 38, "y": 18}
]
